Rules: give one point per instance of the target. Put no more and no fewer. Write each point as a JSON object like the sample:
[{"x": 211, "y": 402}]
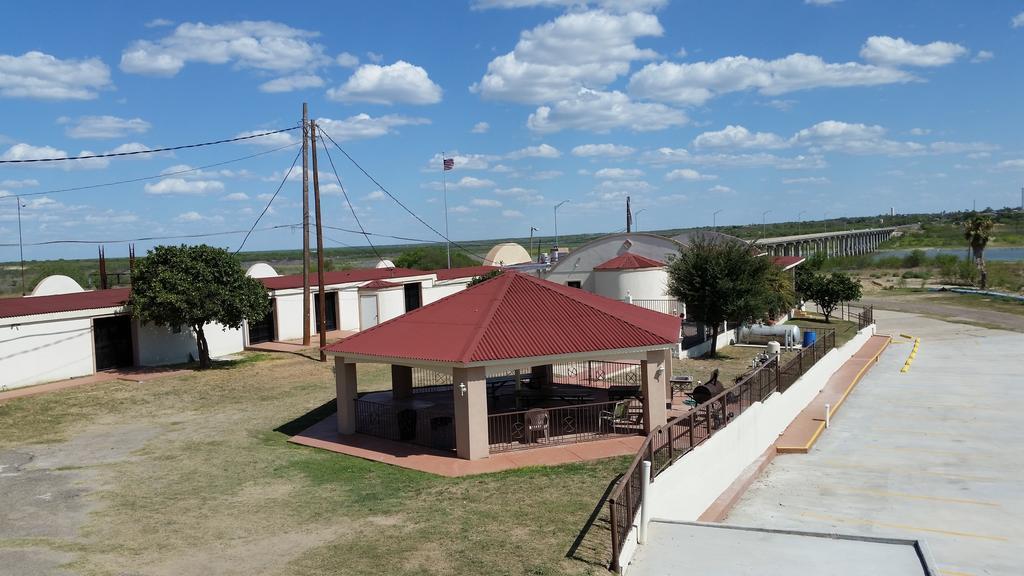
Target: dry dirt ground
[
  {"x": 943, "y": 307},
  {"x": 192, "y": 475}
]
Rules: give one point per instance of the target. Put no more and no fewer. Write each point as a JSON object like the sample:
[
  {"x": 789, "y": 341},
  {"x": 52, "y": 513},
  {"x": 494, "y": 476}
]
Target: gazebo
[{"x": 510, "y": 363}]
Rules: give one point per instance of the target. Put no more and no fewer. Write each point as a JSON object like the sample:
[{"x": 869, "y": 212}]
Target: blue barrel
[{"x": 810, "y": 337}]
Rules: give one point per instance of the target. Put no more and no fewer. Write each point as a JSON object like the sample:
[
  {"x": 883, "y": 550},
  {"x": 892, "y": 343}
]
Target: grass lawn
[
  {"x": 978, "y": 301},
  {"x": 845, "y": 330},
  {"x": 732, "y": 361},
  {"x": 192, "y": 474}
]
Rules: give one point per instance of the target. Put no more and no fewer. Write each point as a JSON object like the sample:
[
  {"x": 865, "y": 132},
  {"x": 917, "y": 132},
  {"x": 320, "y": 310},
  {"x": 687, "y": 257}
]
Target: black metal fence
[
  {"x": 863, "y": 316},
  {"x": 597, "y": 373},
  {"x": 668, "y": 443},
  {"x": 562, "y": 425}
]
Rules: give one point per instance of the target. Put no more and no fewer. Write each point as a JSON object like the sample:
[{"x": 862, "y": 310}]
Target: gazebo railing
[
  {"x": 433, "y": 428},
  {"x": 597, "y": 373},
  {"x": 562, "y": 425}
]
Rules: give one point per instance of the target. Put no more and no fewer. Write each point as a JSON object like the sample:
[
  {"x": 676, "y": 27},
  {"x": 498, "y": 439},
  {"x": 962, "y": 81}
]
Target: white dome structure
[
  {"x": 56, "y": 284},
  {"x": 385, "y": 264},
  {"x": 507, "y": 254},
  {"x": 261, "y": 270}
]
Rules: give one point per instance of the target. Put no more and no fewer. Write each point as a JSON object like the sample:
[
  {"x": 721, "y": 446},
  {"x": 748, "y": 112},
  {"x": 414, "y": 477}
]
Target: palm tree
[{"x": 977, "y": 232}]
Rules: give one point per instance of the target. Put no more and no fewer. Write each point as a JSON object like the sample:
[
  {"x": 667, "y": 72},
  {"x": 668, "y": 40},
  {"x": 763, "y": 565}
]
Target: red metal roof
[
  {"x": 629, "y": 261},
  {"x": 787, "y": 262},
  {"x": 340, "y": 277},
  {"x": 378, "y": 284},
  {"x": 513, "y": 316},
  {"x": 29, "y": 305},
  {"x": 465, "y": 272}
]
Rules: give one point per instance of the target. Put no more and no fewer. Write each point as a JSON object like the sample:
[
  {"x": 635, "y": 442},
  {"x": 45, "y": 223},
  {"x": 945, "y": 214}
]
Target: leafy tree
[
  {"x": 193, "y": 286},
  {"x": 484, "y": 277},
  {"x": 431, "y": 258},
  {"x": 722, "y": 281},
  {"x": 978, "y": 232},
  {"x": 830, "y": 290}
]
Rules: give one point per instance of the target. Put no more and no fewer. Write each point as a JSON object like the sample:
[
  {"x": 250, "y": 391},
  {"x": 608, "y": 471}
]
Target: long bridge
[{"x": 840, "y": 243}]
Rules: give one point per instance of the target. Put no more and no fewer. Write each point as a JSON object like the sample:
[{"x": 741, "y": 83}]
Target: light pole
[
  {"x": 532, "y": 230},
  {"x": 763, "y": 214},
  {"x": 800, "y": 222},
  {"x": 21, "y": 245},
  {"x": 714, "y": 220},
  {"x": 636, "y": 219},
  {"x": 557, "y": 206}
]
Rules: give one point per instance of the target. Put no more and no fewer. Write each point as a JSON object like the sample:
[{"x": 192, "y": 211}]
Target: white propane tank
[
  {"x": 774, "y": 348},
  {"x": 788, "y": 333}
]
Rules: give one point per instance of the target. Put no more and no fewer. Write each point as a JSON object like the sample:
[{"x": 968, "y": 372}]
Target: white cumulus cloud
[
  {"x": 738, "y": 137},
  {"x": 1017, "y": 21},
  {"x": 262, "y": 45},
  {"x": 180, "y": 186},
  {"x": 556, "y": 59},
  {"x": 604, "y": 111},
  {"x": 292, "y": 83},
  {"x": 688, "y": 174},
  {"x": 480, "y": 128},
  {"x": 364, "y": 126},
  {"x": 100, "y": 127},
  {"x": 618, "y": 173},
  {"x": 542, "y": 151},
  {"x": 889, "y": 51},
  {"x": 399, "y": 82},
  {"x": 604, "y": 150},
  {"x": 40, "y": 76}
]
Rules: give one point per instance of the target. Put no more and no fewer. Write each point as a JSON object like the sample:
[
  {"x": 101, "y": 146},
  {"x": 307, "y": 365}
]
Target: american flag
[{"x": 449, "y": 163}]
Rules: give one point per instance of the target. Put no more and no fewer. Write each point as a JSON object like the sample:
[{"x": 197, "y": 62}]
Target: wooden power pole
[
  {"x": 305, "y": 224},
  {"x": 321, "y": 317}
]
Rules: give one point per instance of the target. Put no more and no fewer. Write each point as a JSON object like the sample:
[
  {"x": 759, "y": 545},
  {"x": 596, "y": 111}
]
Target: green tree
[
  {"x": 194, "y": 286},
  {"x": 722, "y": 281},
  {"x": 978, "y": 232},
  {"x": 431, "y": 258},
  {"x": 831, "y": 290}
]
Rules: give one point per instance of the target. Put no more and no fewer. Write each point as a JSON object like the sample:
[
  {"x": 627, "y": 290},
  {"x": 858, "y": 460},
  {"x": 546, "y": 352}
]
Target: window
[{"x": 574, "y": 284}]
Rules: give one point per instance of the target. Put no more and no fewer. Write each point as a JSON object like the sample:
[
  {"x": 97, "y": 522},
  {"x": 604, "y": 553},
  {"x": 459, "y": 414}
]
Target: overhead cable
[
  {"x": 148, "y": 151},
  {"x": 271, "y": 201},
  {"x": 349, "y": 202}
]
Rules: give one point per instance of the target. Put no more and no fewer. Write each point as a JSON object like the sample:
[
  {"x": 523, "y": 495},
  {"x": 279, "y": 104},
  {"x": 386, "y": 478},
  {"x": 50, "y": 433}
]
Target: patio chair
[
  {"x": 621, "y": 417},
  {"x": 536, "y": 422}
]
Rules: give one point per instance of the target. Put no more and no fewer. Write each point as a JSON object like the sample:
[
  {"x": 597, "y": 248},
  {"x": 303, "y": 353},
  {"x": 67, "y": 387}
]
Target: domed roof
[{"x": 56, "y": 284}]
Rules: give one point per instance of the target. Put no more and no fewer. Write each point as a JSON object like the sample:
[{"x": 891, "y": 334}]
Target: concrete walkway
[
  {"x": 324, "y": 435},
  {"x": 810, "y": 423},
  {"x": 128, "y": 375},
  {"x": 933, "y": 453}
]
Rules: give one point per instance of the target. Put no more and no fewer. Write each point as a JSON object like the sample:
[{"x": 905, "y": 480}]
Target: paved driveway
[{"x": 934, "y": 454}]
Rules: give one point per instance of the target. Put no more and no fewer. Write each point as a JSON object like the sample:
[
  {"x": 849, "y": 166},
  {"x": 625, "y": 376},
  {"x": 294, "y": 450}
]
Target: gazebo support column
[
  {"x": 401, "y": 382},
  {"x": 470, "y": 396},
  {"x": 346, "y": 385},
  {"x": 653, "y": 389}
]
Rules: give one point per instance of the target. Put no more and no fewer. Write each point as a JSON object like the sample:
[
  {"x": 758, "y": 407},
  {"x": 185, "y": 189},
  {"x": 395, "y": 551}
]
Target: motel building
[
  {"x": 512, "y": 363},
  {"x": 62, "y": 331}
]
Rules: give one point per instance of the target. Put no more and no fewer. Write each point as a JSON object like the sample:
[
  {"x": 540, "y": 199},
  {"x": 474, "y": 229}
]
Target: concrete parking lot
[{"x": 932, "y": 454}]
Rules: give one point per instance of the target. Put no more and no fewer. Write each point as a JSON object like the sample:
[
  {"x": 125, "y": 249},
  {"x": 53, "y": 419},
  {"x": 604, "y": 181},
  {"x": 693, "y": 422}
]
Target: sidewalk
[
  {"x": 127, "y": 374},
  {"x": 803, "y": 432}
]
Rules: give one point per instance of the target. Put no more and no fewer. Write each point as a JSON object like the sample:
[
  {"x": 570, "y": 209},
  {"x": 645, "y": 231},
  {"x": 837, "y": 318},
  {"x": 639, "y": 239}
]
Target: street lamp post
[
  {"x": 763, "y": 226},
  {"x": 557, "y": 206},
  {"x": 636, "y": 219},
  {"x": 532, "y": 230},
  {"x": 21, "y": 245},
  {"x": 714, "y": 220},
  {"x": 800, "y": 222}
]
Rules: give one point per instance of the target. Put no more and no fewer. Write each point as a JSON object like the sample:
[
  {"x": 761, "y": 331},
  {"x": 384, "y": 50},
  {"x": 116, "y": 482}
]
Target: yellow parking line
[
  {"x": 955, "y": 573},
  {"x": 863, "y": 521},
  {"x": 917, "y": 496}
]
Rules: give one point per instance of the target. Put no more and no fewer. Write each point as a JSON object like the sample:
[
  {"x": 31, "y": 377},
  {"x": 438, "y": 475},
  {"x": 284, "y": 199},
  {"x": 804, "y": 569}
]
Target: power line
[
  {"x": 349, "y": 202},
  {"x": 153, "y": 151},
  {"x": 267, "y": 207},
  {"x": 147, "y": 238},
  {"x": 404, "y": 238},
  {"x": 397, "y": 201},
  {"x": 156, "y": 176}
]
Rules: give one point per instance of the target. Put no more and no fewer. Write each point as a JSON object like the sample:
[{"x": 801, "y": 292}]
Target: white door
[{"x": 367, "y": 311}]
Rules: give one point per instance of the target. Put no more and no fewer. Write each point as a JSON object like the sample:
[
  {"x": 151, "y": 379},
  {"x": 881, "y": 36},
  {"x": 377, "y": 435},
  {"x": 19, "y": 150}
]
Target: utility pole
[
  {"x": 629, "y": 218},
  {"x": 557, "y": 206},
  {"x": 321, "y": 317},
  {"x": 714, "y": 219},
  {"x": 444, "y": 186},
  {"x": 21, "y": 246},
  {"x": 305, "y": 224},
  {"x": 532, "y": 230},
  {"x": 763, "y": 226}
]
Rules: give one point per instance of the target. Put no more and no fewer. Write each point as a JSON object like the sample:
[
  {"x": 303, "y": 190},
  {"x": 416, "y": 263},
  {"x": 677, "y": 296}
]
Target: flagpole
[{"x": 444, "y": 184}]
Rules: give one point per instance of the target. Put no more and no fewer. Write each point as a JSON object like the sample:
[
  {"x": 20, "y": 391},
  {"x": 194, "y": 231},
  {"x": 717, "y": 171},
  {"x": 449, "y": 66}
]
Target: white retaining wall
[
  {"x": 723, "y": 340},
  {"x": 37, "y": 352},
  {"x": 684, "y": 490},
  {"x": 159, "y": 345}
]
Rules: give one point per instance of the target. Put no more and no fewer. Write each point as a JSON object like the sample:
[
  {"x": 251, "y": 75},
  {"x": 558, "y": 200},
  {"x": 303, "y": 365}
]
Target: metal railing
[
  {"x": 563, "y": 425},
  {"x": 666, "y": 306},
  {"x": 425, "y": 427},
  {"x": 597, "y": 373},
  {"x": 668, "y": 443},
  {"x": 863, "y": 316},
  {"x": 428, "y": 379}
]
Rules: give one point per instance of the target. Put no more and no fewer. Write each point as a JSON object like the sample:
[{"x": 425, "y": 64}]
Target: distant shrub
[{"x": 915, "y": 259}]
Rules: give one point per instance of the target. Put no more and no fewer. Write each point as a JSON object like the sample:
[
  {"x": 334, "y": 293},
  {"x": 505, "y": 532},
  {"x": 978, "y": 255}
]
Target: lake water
[{"x": 999, "y": 253}]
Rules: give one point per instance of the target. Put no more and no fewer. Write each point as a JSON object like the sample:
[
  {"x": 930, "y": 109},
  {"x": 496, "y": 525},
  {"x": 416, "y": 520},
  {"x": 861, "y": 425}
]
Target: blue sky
[{"x": 844, "y": 107}]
